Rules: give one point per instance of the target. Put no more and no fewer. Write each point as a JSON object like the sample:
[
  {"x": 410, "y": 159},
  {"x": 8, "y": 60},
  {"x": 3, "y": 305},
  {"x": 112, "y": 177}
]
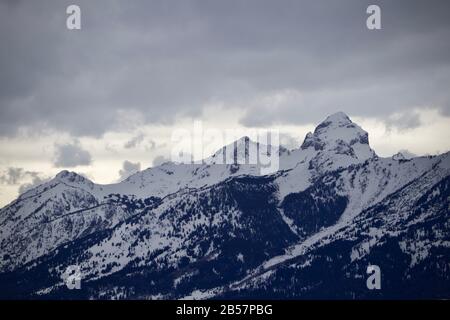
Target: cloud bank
[
  {"x": 71, "y": 155},
  {"x": 283, "y": 62}
]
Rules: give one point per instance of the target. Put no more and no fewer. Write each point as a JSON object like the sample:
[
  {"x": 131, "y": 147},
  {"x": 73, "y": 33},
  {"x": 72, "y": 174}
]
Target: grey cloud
[
  {"x": 19, "y": 176},
  {"x": 12, "y": 176},
  {"x": 135, "y": 141},
  {"x": 161, "y": 59},
  {"x": 128, "y": 168},
  {"x": 151, "y": 145},
  {"x": 71, "y": 155},
  {"x": 403, "y": 121},
  {"x": 289, "y": 142},
  {"x": 36, "y": 180}
]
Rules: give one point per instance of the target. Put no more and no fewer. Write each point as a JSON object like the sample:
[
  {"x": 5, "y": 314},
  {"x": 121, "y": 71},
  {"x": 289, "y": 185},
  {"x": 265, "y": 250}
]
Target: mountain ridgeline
[{"x": 210, "y": 230}]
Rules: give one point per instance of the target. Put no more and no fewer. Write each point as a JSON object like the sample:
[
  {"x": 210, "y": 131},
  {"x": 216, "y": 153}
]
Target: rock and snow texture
[
  {"x": 211, "y": 229},
  {"x": 338, "y": 143}
]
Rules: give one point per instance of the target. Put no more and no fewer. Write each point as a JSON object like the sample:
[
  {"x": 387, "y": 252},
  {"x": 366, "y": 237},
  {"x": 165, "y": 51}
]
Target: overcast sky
[{"x": 104, "y": 100}]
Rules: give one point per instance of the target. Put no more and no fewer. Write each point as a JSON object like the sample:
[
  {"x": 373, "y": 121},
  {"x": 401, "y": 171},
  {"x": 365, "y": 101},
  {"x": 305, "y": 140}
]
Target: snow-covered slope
[
  {"x": 198, "y": 229},
  {"x": 61, "y": 210},
  {"x": 336, "y": 143},
  {"x": 340, "y": 142},
  {"x": 406, "y": 234},
  {"x": 336, "y": 140},
  {"x": 76, "y": 206}
]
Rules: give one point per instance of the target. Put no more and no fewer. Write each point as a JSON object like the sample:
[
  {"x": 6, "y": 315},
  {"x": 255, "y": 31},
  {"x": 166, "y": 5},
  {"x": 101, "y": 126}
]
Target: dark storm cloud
[
  {"x": 71, "y": 155},
  {"x": 158, "y": 59}
]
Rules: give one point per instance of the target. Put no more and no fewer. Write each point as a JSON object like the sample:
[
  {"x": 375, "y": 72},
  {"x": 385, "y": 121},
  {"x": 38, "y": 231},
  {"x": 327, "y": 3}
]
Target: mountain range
[{"x": 223, "y": 231}]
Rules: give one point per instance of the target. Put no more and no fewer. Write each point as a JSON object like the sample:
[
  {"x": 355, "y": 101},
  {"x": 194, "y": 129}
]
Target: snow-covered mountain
[{"x": 224, "y": 230}]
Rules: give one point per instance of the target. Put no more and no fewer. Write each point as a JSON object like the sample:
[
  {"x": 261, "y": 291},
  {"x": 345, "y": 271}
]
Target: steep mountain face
[
  {"x": 406, "y": 235},
  {"x": 70, "y": 206},
  {"x": 224, "y": 230},
  {"x": 58, "y": 211},
  {"x": 337, "y": 142}
]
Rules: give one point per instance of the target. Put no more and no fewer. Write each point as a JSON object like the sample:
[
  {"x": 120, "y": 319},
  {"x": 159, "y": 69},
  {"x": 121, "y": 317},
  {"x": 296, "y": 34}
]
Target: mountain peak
[
  {"x": 66, "y": 174},
  {"x": 241, "y": 151},
  {"x": 336, "y": 120},
  {"x": 238, "y": 149},
  {"x": 338, "y": 117},
  {"x": 70, "y": 176},
  {"x": 398, "y": 156},
  {"x": 62, "y": 174},
  {"x": 244, "y": 139},
  {"x": 338, "y": 137},
  {"x": 335, "y": 128}
]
